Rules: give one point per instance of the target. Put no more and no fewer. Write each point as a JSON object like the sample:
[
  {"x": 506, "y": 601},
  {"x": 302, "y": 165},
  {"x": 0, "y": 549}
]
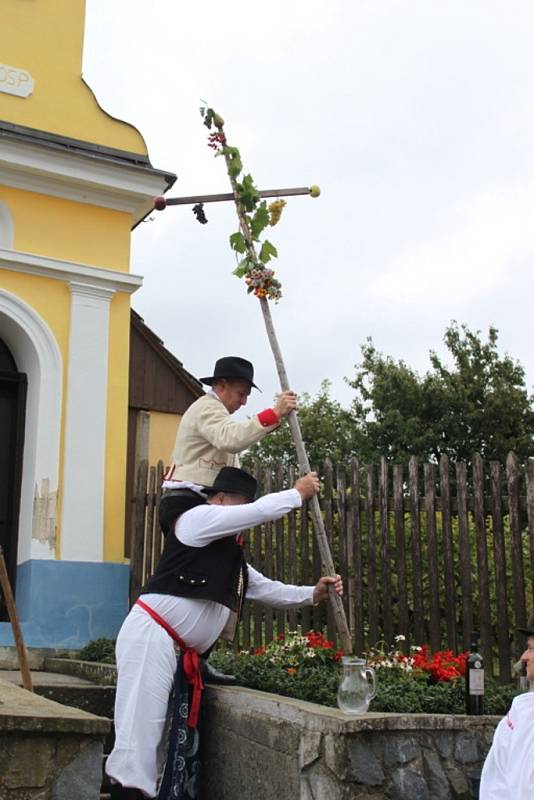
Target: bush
[
  {"x": 310, "y": 670},
  {"x": 102, "y": 650}
]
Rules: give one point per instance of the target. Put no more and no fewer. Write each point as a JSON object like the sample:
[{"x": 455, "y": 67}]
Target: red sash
[{"x": 190, "y": 662}]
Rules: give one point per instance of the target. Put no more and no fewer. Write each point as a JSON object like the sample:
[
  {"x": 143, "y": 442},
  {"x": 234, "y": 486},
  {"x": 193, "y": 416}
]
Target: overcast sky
[{"x": 415, "y": 118}]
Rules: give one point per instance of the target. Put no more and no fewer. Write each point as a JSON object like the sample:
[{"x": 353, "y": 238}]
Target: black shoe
[{"x": 212, "y": 675}]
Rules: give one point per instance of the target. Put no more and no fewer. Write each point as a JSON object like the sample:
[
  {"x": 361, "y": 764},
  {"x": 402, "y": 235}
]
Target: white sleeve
[
  {"x": 276, "y": 593},
  {"x": 204, "y": 524},
  {"x": 493, "y": 781}
]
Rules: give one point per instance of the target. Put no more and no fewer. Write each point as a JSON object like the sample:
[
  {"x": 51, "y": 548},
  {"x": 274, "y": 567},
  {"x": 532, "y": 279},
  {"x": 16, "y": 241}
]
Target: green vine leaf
[
  {"x": 259, "y": 221},
  {"x": 237, "y": 242},
  {"x": 236, "y": 165},
  {"x": 254, "y": 216},
  {"x": 243, "y": 267},
  {"x": 267, "y": 252},
  {"x": 248, "y": 194}
]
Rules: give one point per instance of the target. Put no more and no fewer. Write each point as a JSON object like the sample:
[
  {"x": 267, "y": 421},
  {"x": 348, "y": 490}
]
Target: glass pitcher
[{"x": 357, "y": 687}]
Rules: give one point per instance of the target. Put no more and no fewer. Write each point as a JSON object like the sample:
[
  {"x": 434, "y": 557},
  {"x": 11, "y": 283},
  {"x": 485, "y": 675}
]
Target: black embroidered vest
[{"x": 216, "y": 572}]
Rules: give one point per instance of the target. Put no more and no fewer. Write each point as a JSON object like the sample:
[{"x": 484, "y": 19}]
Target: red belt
[{"x": 190, "y": 663}]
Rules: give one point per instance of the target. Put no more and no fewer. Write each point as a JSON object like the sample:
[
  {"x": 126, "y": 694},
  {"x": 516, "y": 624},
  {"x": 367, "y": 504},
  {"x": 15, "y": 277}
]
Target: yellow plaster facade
[
  {"x": 71, "y": 211},
  {"x": 163, "y": 428},
  {"x": 69, "y": 230},
  {"x": 45, "y": 38}
]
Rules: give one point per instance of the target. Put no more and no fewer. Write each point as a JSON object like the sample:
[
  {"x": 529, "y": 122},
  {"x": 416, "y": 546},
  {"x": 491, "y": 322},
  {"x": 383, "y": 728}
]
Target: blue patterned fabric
[{"x": 181, "y": 776}]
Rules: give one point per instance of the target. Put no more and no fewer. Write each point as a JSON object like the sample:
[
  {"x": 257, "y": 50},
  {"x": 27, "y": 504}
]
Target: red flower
[
  {"x": 316, "y": 639},
  {"x": 443, "y": 665},
  {"x": 259, "y": 651}
]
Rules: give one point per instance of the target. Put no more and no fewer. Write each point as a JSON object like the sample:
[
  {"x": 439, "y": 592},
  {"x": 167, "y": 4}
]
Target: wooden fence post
[{"x": 376, "y": 562}]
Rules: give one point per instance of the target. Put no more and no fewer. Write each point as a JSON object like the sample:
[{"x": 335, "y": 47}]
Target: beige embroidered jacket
[{"x": 209, "y": 439}]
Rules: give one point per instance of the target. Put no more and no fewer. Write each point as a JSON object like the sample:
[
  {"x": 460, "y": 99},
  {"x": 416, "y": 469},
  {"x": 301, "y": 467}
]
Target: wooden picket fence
[{"x": 430, "y": 552}]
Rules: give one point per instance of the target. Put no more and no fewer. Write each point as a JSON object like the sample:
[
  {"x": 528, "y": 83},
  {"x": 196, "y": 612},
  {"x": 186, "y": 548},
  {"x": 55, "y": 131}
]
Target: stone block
[
  {"x": 365, "y": 767},
  {"x": 30, "y": 764},
  {"x": 243, "y": 768},
  {"x": 335, "y": 755},
  {"x": 435, "y": 776},
  {"x": 399, "y": 749},
  {"x": 309, "y": 748},
  {"x": 82, "y": 777},
  {"x": 458, "y": 784},
  {"x": 467, "y": 748},
  {"x": 321, "y": 786},
  {"x": 444, "y": 743},
  {"x": 407, "y": 785}
]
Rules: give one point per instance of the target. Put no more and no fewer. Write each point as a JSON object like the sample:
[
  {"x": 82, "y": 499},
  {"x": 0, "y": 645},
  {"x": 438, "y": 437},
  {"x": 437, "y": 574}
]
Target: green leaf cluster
[
  {"x": 235, "y": 165},
  {"x": 398, "y": 692},
  {"x": 478, "y": 403},
  {"x": 255, "y": 210},
  {"x": 328, "y": 430},
  {"x": 101, "y": 650}
]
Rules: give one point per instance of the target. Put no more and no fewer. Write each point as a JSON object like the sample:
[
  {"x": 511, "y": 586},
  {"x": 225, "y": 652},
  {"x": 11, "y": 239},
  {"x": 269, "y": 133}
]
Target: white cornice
[
  {"x": 69, "y": 271},
  {"x": 90, "y": 290},
  {"x": 85, "y": 178}
]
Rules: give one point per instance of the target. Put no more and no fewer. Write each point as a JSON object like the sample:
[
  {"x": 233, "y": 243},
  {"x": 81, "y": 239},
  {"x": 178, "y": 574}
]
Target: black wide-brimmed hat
[
  {"x": 232, "y": 367},
  {"x": 529, "y": 630},
  {"x": 234, "y": 481}
]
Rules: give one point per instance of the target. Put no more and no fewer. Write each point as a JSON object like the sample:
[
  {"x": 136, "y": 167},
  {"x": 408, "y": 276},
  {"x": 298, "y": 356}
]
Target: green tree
[
  {"x": 327, "y": 429},
  {"x": 479, "y": 404}
]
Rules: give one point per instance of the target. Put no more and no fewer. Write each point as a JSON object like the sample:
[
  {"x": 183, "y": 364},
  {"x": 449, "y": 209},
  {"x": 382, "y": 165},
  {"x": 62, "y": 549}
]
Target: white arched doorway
[{"x": 36, "y": 354}]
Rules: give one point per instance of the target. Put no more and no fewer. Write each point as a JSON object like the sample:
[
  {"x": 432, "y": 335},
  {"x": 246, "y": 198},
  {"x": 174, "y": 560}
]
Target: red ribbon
[{"x": 190, "y": 663}]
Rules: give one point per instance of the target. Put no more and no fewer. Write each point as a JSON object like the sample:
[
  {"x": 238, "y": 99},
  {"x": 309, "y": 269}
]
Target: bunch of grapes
[
  {"x": 262, "y": 283},
  {"x": 216, "y": 141},
  {"x": 275, "y": 211},
  {"x": 198, "y": 211}
]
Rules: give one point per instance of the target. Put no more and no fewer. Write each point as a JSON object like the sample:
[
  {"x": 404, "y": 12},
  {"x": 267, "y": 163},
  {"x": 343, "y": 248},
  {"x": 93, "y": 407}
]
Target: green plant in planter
[
  {"x": 307, "y": 668},
  {"x": 101, "y": 650}
]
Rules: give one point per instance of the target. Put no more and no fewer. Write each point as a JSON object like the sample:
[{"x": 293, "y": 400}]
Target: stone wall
[
  {"x": 48, "y": 751},
  {"x": 269, "y": 747}
]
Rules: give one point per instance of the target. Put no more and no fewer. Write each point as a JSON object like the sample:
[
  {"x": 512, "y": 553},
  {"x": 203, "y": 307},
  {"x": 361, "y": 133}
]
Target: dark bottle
[{"x": 474, "y": 678}]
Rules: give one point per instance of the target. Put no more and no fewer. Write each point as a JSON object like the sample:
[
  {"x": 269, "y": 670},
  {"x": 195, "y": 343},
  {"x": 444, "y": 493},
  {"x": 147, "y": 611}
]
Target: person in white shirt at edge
[
  {"x": 146, "y": 656},
  {"x": 209, "y": 439},
  {"x": 508, "y": 772}
]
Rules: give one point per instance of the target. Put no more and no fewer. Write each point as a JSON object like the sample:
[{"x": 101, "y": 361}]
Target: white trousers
[{"x": 146, "y": 665}]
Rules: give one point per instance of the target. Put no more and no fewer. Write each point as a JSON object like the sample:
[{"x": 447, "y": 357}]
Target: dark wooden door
[{"x": 12, "y": 415}]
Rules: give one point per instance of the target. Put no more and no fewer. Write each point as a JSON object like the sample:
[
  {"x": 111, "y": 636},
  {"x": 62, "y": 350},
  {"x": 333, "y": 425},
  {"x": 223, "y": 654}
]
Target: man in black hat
[
  {"x": 194, "y": 597},
  {"x": 508, "y": 772},
  {"x": 208, "y": 439}
]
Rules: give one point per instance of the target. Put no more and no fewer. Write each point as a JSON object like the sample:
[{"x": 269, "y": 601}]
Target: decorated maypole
[{"x": 254, "y": 255}]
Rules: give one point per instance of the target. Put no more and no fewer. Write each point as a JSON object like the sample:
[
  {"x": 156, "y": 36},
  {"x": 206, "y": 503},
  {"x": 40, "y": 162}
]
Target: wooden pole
[
  {"x": 304, "y": 464},
  {"x": 161, "y": 202},
  {"x": 17, "y": 632}
]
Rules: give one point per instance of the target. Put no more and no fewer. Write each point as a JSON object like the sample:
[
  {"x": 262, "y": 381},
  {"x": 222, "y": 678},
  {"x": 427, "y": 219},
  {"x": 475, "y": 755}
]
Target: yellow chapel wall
[
  {"x": 45, "y": 39},
  {"x": 163, "y": 428},
  {"x": 68, "y": 230},
  {"x": 52, "y": 301}
]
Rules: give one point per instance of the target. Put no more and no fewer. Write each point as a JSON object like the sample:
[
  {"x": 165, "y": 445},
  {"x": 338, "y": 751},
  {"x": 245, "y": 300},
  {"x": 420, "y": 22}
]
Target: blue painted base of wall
[{"x": 65, "y": 604}]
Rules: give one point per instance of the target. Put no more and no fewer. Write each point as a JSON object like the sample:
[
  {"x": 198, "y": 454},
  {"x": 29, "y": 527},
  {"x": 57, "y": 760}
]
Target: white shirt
[
  {"x": 200, "y": 622},
  {"x": 508, "y": 772}
]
